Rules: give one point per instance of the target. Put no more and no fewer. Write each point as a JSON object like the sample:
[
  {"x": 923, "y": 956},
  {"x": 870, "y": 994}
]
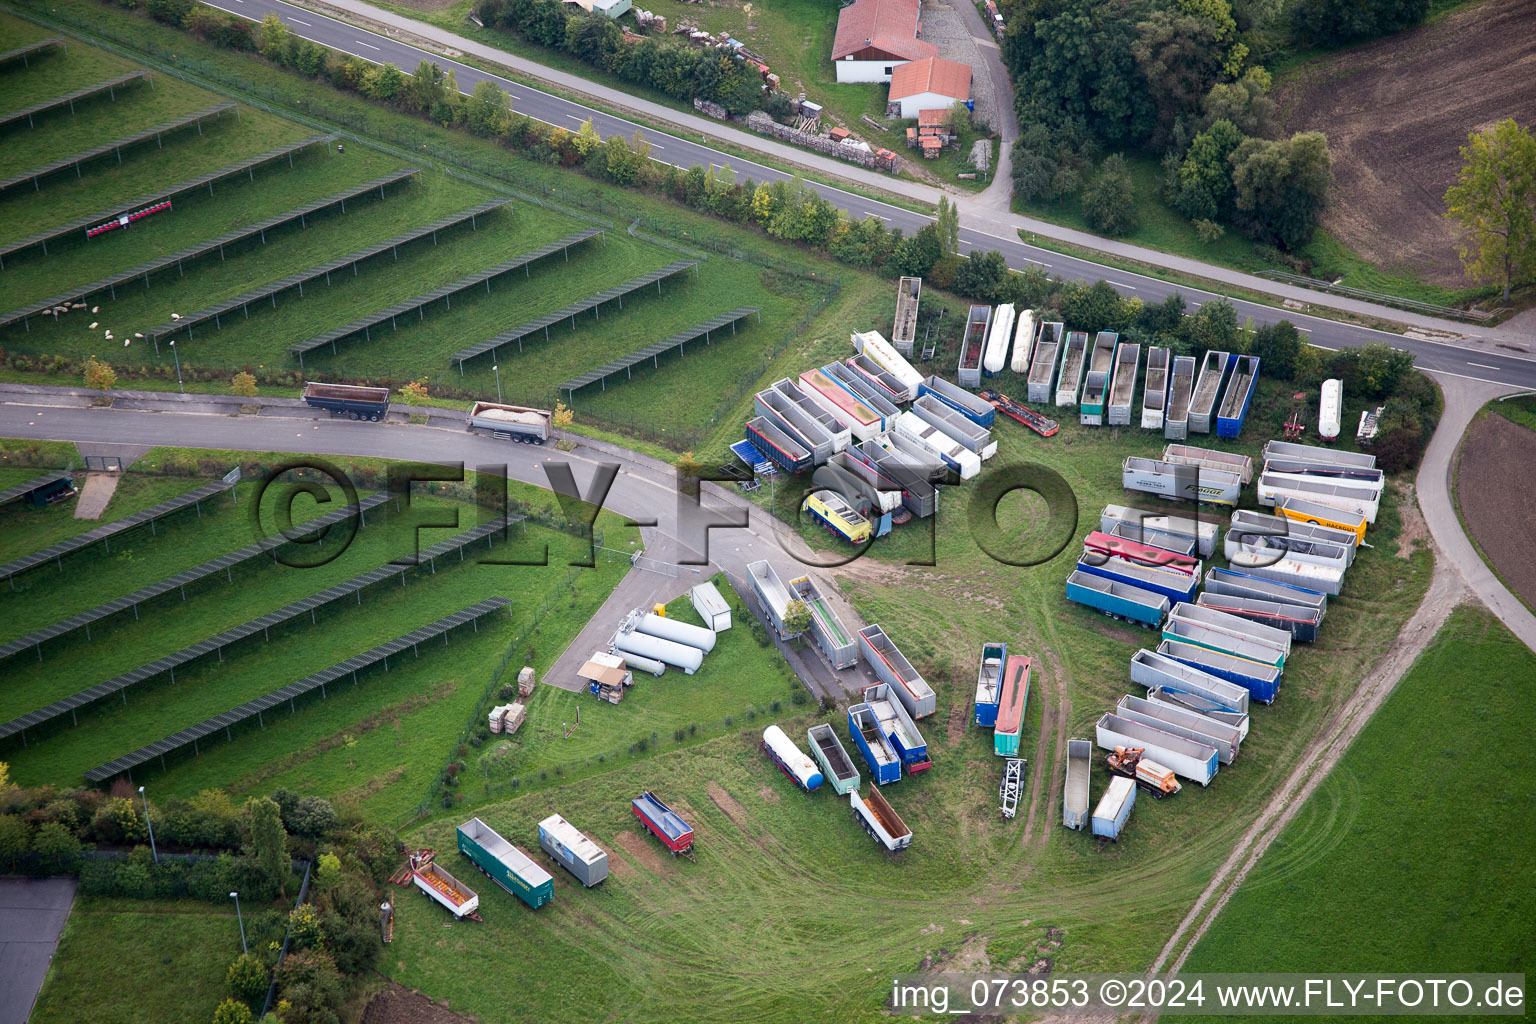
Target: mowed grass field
[
  {"x": 1417, "y": 824},
  {"x": 381, "y": 742}
]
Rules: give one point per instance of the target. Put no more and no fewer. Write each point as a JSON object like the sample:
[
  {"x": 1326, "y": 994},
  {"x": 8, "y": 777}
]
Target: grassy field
[
  {"x": 154, "y": 948},
  {"x": 1412, "y": 826}
]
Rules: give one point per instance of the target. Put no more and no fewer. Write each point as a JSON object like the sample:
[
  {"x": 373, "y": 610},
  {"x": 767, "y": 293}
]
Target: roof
[
  {"x": 931, "y": 118},
  {"x": 608, "y": 675},
  {"x": 932, "y": 74},
  {"x": 888, "y": 25},
  {"x": 931, "y": 142}
]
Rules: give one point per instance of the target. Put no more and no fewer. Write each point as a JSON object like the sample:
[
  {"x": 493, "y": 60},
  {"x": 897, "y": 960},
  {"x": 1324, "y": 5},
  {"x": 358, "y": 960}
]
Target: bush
[
  {"x": 56, "y": 847},
  {"x": 15, "y": 842},
  {"x": 312, "y": 817},
  {"x": 231, "y": 1011},
  {"x": 247, "y": 978},
  {"x": 1109, "y": 201}
]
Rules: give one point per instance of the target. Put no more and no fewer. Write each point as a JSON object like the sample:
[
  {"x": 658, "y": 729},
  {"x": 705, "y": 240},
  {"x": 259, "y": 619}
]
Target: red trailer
[
  {"x": 1142, "y": 554},
  {"x": 1031, "y": 419},
  {"x": 663, "y": 822}
]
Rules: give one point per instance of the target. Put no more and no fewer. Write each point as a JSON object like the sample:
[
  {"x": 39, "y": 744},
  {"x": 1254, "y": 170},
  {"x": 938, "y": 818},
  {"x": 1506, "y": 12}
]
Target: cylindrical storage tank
[
  {"x": 791, "y": 758},
  {"x": 1330, "y": 409},
  {"x": 682, "y": 632},
  {"x": 673, "y": 653},
  {"x": 996, "y": 352},
  {"x": 639, "y": 661}
]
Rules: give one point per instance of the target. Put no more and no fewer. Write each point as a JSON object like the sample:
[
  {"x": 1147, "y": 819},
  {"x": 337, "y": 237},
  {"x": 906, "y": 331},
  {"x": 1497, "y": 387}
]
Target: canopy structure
[
  {"x": 21, "y": 490},
  {"x": 247, "y": 167},
  {"x": 110, "y": 87},
  {"x": 544, "y": 323},
  {"x": 22, "y": 53},
  {"x": 654, "y": 351},
  {"x": 287, "y": 694},
  {"x": 445, "y": 292},
  {"x": 119, "y": 145}
]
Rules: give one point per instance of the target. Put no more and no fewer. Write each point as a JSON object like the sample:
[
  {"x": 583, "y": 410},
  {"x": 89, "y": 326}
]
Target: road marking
[
  {"x": 296, "y": 21},
  {"x": 1485, "y": 366},
  {"x": 370, "y": 46},
  {"x": 880, "y": 215},
  {"x": 574, "y": 117},
  {"x": 656, "y": 147},
  {"x": 1117, "y": 284},
  {"x": 1307, "y": 329}
]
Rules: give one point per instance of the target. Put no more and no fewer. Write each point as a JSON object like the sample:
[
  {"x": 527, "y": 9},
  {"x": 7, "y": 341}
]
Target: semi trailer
[
  {"x": 1117, "y": 600},
  {"x": 1075, "y": 791},
  {"x": 978, "y": 324},
  {"x": 1181, "y": 391},
  {"x": 350, "y": 400},
  {"x": 1202, "y": 406},
  {"x": 1045, "y": 362},
  {"x": 510, "y": 422},
  {"x": 888, "y": 663},
  {"x": 1122, "y": 386},
  {"x": 977, "y": 410},
  {"x": 1012, "y": 705},
  {"x": 1073, "y": 360},
  {"x": 505, "y": 864},
  {"x": 1154, "y": 394},
  {"x": 836, "y": 766},
  {"x": 989, "y": 683},
  {"x": 880, "y": 820}
]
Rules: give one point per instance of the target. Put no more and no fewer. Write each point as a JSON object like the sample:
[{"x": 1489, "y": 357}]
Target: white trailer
[
  {"x": 1240, "y": 584},
  {"x": 1073, "y": 362},
  {"x": 1154, "y": 524},
  {"x": 939, "y": 414},
  {"x": 1364, "y": 500},
  {"x": 1186, "y": 483},
  {"x": 1074, "y": 796},
  {"x": 834, "y": 427},
  {"x": 1321, "y": 456},
  {"x": 884, "y": 355},
  {"x": 1244, "y": 550},
  {"x": 510, "y": 422},
  {"x": 772, "y": 595},
  {"x": 1246, "y": 522},
  {"x": 1181, "y": 390},
  {"x": 1321, "y": 578},
  {"x": 880, "y": 820},
  {"x": 1154, "y": 395},
  {"x": 1192, "y": 760},
  {"x": 1198, "y": 705},
  {"x": 1189, "y": 724},
  {"x": 786, "y": 415},
  {"x": 998, "y": 337},
  {"x": 1202, "y": 407},
  {"x": 1024, "y": 342},
  {"x": 893, "y": 667},
  {"x": 949, "y": 451},
  {"x": 1330, "y": 409},
  {"x": 1150, "y": 669},
  {"x": 712, "y": 608},
  {"x": 1210, "y": 458},
  {"x": 909, "y": 291},
  {"x": 1114, "y": 808},
  {"x": 1122, "y": 387},
  {"x": 1044, "y": 364},
  {"x": 1236, "y": 624}
]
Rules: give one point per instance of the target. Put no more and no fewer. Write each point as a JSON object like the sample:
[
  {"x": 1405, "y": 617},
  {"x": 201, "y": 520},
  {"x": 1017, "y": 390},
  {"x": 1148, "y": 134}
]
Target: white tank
[
  {"x": 790, "y": 756},
  {"x": 1023, "y": 342},
  {"x": 650, "y": 665},
  {"x": 1329, "y": 409},
  {"x": 681, "y": 632},
  {"x": 1001, "y": 333},
  {"x": 681, "y": 655}
]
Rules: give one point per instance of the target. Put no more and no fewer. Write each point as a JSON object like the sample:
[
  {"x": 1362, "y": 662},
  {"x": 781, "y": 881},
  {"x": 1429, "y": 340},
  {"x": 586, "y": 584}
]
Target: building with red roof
[
  {"x": 875, "y": 37},
  {"x": 931, "y": 83}
]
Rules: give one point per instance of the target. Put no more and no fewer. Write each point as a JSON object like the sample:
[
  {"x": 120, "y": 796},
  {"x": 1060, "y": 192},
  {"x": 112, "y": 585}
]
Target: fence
[
  {"x": 1412, "y": 305},
  {"x": 282, "y": 953}
]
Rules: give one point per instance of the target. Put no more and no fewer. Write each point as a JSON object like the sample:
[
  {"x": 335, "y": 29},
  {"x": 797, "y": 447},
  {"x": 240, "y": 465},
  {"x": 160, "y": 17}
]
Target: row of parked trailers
[
  {"x": 1002, "y": 696},
  {"x": 830, "y": 764}
]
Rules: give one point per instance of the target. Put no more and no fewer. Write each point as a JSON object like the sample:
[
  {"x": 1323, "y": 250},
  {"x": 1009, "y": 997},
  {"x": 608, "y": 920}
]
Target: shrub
[
  {"x": 243, "y": 384},
  {"x": 15, "y": 841},
  {"x": 313, "y": 817},
  {"x": 231, "y": 1011},
  {"x": 56, "y": 847},
  {"x": 246, "y": 978}
]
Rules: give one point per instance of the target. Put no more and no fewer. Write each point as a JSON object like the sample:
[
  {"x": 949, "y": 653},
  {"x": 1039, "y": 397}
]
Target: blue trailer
[
  {"x": 1261, "y": 681},
  {"x": 864, "y": 727},
  {"x": 989, "y": 683},
  {"x": 1175, "y": 586},
  {"x": 1234, "y": 406},
  {"x": 779, "y": 448},
  {"x": 1117, "y": 600},
  {"x": 898, "y": 727},
  {"x": 966, "y": 404}
]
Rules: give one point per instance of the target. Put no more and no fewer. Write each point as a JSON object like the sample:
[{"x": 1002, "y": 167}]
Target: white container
[
  {"x": 1192, "y": 725},
  {"x": 1001, "y": 333},
  {"x": 884, "y": 355},
  {"x": 1330, "y": 408},
  {"x": 1188, "y": 759},
  {"x": 644, "y": 644},
  {"x": 681, "y": 632},
  {"x": 1023, "y": 342},
  {"x": 792, "y": 758},
  {"x": 949, "y": 451},
  {"x": 712, "y": 608}
]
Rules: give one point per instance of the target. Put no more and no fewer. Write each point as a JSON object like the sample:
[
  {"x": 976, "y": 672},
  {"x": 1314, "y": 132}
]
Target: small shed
[
  {"x": 838, "y": 134},
  {"x": 606, "y": 676},
  {"x": 711, "y": 606}
]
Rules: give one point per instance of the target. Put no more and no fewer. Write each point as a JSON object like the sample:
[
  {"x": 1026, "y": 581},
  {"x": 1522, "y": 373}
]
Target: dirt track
[
  {"x": 1494, "y": 482},
  {"x": 1397, "y": 110}
]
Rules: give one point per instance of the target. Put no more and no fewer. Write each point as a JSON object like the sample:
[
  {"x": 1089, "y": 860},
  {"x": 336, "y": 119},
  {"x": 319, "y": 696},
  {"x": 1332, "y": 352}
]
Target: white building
[
  {"x": 875, "y": 37},
  {"x": 932, "y": 83}
]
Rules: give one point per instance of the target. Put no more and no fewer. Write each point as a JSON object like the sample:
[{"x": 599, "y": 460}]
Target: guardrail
[{"x": 1412, "y": 305}]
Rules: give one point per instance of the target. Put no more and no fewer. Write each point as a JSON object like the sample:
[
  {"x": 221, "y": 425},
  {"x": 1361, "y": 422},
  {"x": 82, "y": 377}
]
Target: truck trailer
[
  {"x": 1239, "y": 396},
  {"x": 663, "y": 822},
  {"x": 1202, "y": 406},
  {"x": 1316, "y": 513},
  {"x": 898, "y": 726},
  {"x": 978, "y": 324},
  {"x": 510, "y": 422},
  {"x": 1182, "y": 483},
  {"x": 1101, "y": 363},
  {"x": 1291, "y": 451},
  {"x": 506, "y": 865},
  {"x": 974, "y": 438},
  {"x": 778, "y": 447},
  {"x": 434, "y": 880},
  {"x": 977, "y": 410},
  {"x": 1221, "y": 641},
  {"x": 350, "y": 400},
  {"x": 710, "y": 606},
  {"x": 1155, "y": 527},
  {"x": 887, "y": 661},
  {"x": 1243, "y": 550},
  {"x": 1364, "y": 499},
  {"x": 1241, "y": 584},
  {"x": 1153, "y": 670},
  {"x": 771, "y": 594},
  {"x": 861, "y": 387},
  {"x": 1181, "y": 391},
  {"x": 839, "y": 517},
  {"x": 989, "y": 683},
  {"x": 889, "y": 358},
  {"x": 1246, "y": 522},
  {"x": 1011, "y": 707},
  {"x": 1210, "y": 458},
  {"x": 1023, "y": 342},
  {"x": 999, "y": 334},
  {"x": 795, "y": 423},
  {"x": 885, "y": 383},
  {"x": 1188, "y": 758},
  {"x": 1216, "y": 619},
  {"x": 945, "y": 448},
  {"x": 1262, "y": 681},
  {"x": 1045, "y": 362},
  {"x": 1174, "y": 542},
  {"x": 1075, "y": 792},
  {"x": 1114, "y": 808},
  {"x": 909, "y": 291},
  {"x": 781, "y": 750},
  {"x": 836, "y": 766},
  {"x": 1301, "y": 623},
  {"x": 1073, "y": 360},
  {"x": 836, "y": 641},
  {"x": 1041, "y": 425},
  {"x": 1202, "y": 706},
  {"x": 1227, "y": 739},
  {"x": 862, "y": 421},
  {"x": 833, "y": 427},
  {"x": 1154, "y": 394},
  {"x": 573, "y": 851},
  {"x": 1122, "y": 386},
  {"x": 1175, "y": 586},
  {"x": 884, "y": 763},
  {"x": 887, "y": 470},
  {"x": 1101, "y": 543},
  {"x": 1117, "y": 600},
  {"x": 880, "y": 820}
]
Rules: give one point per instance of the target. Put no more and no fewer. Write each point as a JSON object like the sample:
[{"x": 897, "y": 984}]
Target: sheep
[
  {"x": 78, "y": 305},
  {"x": 93, "y": 326},
  {"x": 136, "y": 334},
  {"x": 126, "y": 343},
  {"x": 174, "y": 316},
  {"x": 94, "y": 309}
]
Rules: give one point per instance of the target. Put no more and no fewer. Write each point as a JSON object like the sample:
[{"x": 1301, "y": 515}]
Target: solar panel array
[
  {"x": 517, "y": 334},
  {"x": 11, "y": 494},
  {"x": 21, "y": 53},
  {"x": 113, "y": 529},
  {"x": 247, "y": 166},
  {"x": 303, "y": 277},
  {"x": 221, "y": 564},
  {"x": 288, "y": 693},
  {"x": 653, "y": 352},
  {"x": 261, "y": 624},
  {"x": 68, "y": 99},
  {"x": 445, "y": 292},
  {"x": 123, "y": 143}
]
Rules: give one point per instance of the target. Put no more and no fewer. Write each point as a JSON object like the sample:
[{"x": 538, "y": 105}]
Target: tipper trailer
[
  {"x": 977, "y": 410},
  {"x": 999, "y": 334},
  {"x": 1244, "y": 550},
  {"x": 795, "y": 423},
  {"x": 1188, "y": 758},
  {"x": 892, "y": 666},
  {"x": 1011, "y": 707},
  {"x": 506, "y": 865},
  {"x": 1246, "y": 522},
  {"x": 1154, "y": 394},
  {"x": 1114, "y": 808},
  {"x": 1278, "y": 638},
  {"x": 572, "y": 850},
  {"x": 978, "y": 323},
  {"x": 971, "y": 436},
  {"x": 1045, "y": 362},
  {"x": 838, "y": 516},
  {"x": 1150, "y": 669},
  {"x": 886, "y": 384},
  {"x": 1171, "y": 584},
  {"x": 1316, "y": 513},
  {"x": 777, "y": 446},
  {"x": 771, "y": 595},
  {"x": 862, "y": 421},
  {"x": 1041, "y": 425},
  {"x": 889, "y": 358},
  {"x": 1117, "y": 600},
  {"x": 836, "y": 641},
  {"x": 1210, "y": 458},
  {"x": 1364, "y": 499},
  {"x": 884, "y": 763},
  {"x": 888, "y": 470},
  {"x": 1122, "y": 387},
  {"x": 1241, "y": 584},
  {"x": 1099, "y": 542},
  {"x": 663, "y": 822},
  {"x": 1301, "y": 623},
  {"x": 1261, "y": 680},
  {"x": 833, "y": 427},
  {"x": 1202, "y": 406},
  {"x": 1075, "y": 791},
  {"x": 1291, "y": 451},
  {"x": 880, "y": 820},
  {"x": 1073, "y": 361},
  {"x": 836, "y": 766},
  {"x": 857, "y": 384},
  {"x": 898, "y": 726},
  {"x": 1202, "y": 706},
  {"x": 909, "y": 291},
  {"x": 510, "y": 422},
  {"x": 1221, "y": 641},
  {"x": 1239, "y": 397},
  {"x": 1176, "y": 543},
  {"x": 1101, "y": 363},
  {"x": 353, "y": 401},
  {"x": 1352, "y": 476},
  {"x": 1181, "y": 391},
  {"x": 781, "y": 750},
  {"x": 1184, "y": 483},
  {"x": 989, "y": 683},
  {"x": 434, "y": 880},
  {"x": 1227, "y": 739},
  {"x": 1308, "y": 575}
]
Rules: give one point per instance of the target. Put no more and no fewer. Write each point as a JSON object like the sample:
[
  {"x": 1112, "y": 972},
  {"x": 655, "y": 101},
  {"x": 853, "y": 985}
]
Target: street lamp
[
  {"x": 497, "y": 371},
  {"x": 241, "y": 918},
  {"x": 183, "y": 390},
  {"x": 149, "y": 824}
]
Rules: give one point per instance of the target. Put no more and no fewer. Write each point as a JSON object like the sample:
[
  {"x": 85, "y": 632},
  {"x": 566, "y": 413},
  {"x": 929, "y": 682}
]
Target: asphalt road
[
  {"x": 32, "y": 915},
  {"x": 1481, "y": 364}
]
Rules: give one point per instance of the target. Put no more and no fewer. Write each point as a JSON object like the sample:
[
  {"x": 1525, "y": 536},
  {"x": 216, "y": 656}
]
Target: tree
[
  {"x": 1179, "y": 56},
  {"x": 486, "y": 109},
  {"x": 57, "y": 848},
  {"x": 1244, "y": 102},
  {"x": 268, "y": 844},
  {"x": 916, "y": 255},
  {"x": 1330, "y": 22},
  {"x": 1277, "y": 345},
  {"x": 15, "y": 841},
  {"x": 232, "y": 1011},
  {"x": 99, "y": 375},
  {"x": 415, "y": 392},
  {"x": 243, "y": 384},
  {"x": 1109, "y": 201},
  {"x": 1494, "y": 202},
  {"x": 1200, "y": 187},
  {"x": 313, "y": 818},
  {"x": 948, "y": 224},
  {"x": 981, "y": 276},
  {"x": 1378, "y": 369},
  {"x": 1281, "y": 187},
  {"x": 1166, "y": 317},
  {"x": 246, "y": 978},
  {"x": 1031, "y": 169},
  {"x": 587, "y": 140},
  {"x": 1096, "y": 307},
  {"x": 797, "y": 618},
  {"x": 273, "y": 38},
  {"x": 383, "y": 82},
  {"x": 563, "y": 417},
  {"x": 1214, "y": 327}
]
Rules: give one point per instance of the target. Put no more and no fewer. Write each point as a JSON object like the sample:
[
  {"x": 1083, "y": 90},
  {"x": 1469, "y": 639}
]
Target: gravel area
[{"x": 943, "y": 27}]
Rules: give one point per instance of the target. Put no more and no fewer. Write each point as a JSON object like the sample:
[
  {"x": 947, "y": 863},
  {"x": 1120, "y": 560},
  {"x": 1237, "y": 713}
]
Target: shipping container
[
  {"x": 771, "y": 595},
  {"x": 884, "y": 763},
  {"x": 1183, "y": 483},
  {"x": 1012, "y": 707},
  {"x": 1099, "y": 542},
  {"x": 1202, "y": 405},
  {"x": 1239, "y": 397},
  {"x": 778, "y": 447},
  {"x": 1330, "y": 409},
  {"x": 1262, "y": 681},
  {"x": 951, "y": 452},
  {"x": 836, "y": 766},
  {"x": 1073, "y": 361},
  {"x": 1151, "y": 669},
  {"x": 1363, "y": 499},
  {"x": 1114, "y": 808},
  {"x": 1210, "y": 458},
  {"x": 1101, "y": 363},
  {"x": 999, "y": 334},
  {"x": 1155, "y": 526},
  {"x": 683, "y": 656},
  {"x": 970, "y": 435},
  {"x": 1176, "y": 543},
  {"x": 663, "y": 823},
  {"x": 989, "y": 683},
  {"x": 506, "y": 865},
  {"x": 1222, "y": 642},
  {"x": 1075, "y": 791},
  {"x": 1227, "y": 739},
  {"x": 888, "y": 358},
  {"x": 795, "y": 424},
  {"x": 434, "y": 880},
  {"x": 680, "y": 632},
  {"x": 839, "y": 517},
  {"x": 1046, "y": 362},
  {"x": 1023, "y": 342},
  {"x": 1301, "y": 623},
  {"x": 880, "y": 820},
  {"x": 1292, "y": 451},
  {"x": 978, "y": 323},
  {"x": 884, "y": 702},
  {"x": 353, "y": 401},
  {"x": 712, "y": 608},
  {"x": 833, "y": 427},
  {"x": 1247, "y": 522},
  {"x": 1122, "y": 387},
  {"x": 572, "y": 850},
  {"x": 1181, "y": 391},
  {"x": 1117, "y": 600},
  {"x": 977, "y": 410},
  {"x": 1041, "y": 425},
  {"x": 827, "y": 630},
  {"x": 882, "y": 655},
  {"x": 781, "y": 750},
  {"x": 1175, "y": 586},
  {"x": 862, "y": 421},
  {"x": 1302, "y": 510},
  {"x": 1188, "y": 759},
  {"x": 909, "y": 291},
  {"x": 510, "y": 422},
  {"x": 1241, "y": 584},
  {"x": 861, "y": 388},
  {"x": 1154, "y": 395}
]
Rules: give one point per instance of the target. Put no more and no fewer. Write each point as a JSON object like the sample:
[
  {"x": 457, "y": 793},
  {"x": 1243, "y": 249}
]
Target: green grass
[
  {"x": 154, "y": 949},
  {"x": 24, "y": 529},
  {"x": 1412, "y": 826}
]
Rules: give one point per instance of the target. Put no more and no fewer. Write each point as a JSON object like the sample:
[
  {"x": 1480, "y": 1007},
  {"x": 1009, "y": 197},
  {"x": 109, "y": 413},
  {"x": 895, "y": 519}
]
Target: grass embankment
[{"x": 1413, "y": 826}]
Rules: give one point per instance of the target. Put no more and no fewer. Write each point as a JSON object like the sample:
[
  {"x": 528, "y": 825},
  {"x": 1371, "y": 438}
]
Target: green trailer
[{"x": 506, "y": 865}]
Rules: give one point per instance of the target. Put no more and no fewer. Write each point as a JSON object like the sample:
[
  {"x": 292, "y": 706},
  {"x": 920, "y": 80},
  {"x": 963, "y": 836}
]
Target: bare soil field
[
  {"x": 1396, "y": 111},
  {"x": 1494, "y": 482}
]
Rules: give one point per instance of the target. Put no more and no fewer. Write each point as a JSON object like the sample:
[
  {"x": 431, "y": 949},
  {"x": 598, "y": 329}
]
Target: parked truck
[
  {"x": 1075, "y": 792},
  {"x": 880, "y": 820},
  {"x": 510, "y": 422},
  {"x": 1117, "y": 600},
  {"x": 663, "y": 822},
  {"x": 506, "y": 865},
  {"x": 349, "y": 400},
  {"x": 836, "y": 766},
  {"x": 887, "y": 661},
  {"x": 1154, "y": 395}
]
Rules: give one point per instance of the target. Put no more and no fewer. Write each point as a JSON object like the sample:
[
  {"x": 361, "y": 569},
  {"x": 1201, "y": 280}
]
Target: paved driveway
[{"x": 32, "y": 914}]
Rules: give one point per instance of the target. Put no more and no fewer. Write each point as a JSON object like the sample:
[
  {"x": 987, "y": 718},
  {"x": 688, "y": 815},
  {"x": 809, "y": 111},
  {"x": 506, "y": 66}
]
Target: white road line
[
  {"x": 296, "y": 21},
  {"x": 880, "y": 215},
  {"x": 1117, "y": 284},
  {"x": 370, "y": 46},
  {"x": 657, "y": 148},
  {"x": 1485, "y": 366},
  {"x": 1307, "y": 329},
  {"x": 574, "y": 117}
]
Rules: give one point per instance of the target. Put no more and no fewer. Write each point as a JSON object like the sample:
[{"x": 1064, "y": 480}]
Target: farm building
[
  {"x": 931, "y": 83},
  {"x": 608, "y": 8},
  {"x": 875, "y": 37}
]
